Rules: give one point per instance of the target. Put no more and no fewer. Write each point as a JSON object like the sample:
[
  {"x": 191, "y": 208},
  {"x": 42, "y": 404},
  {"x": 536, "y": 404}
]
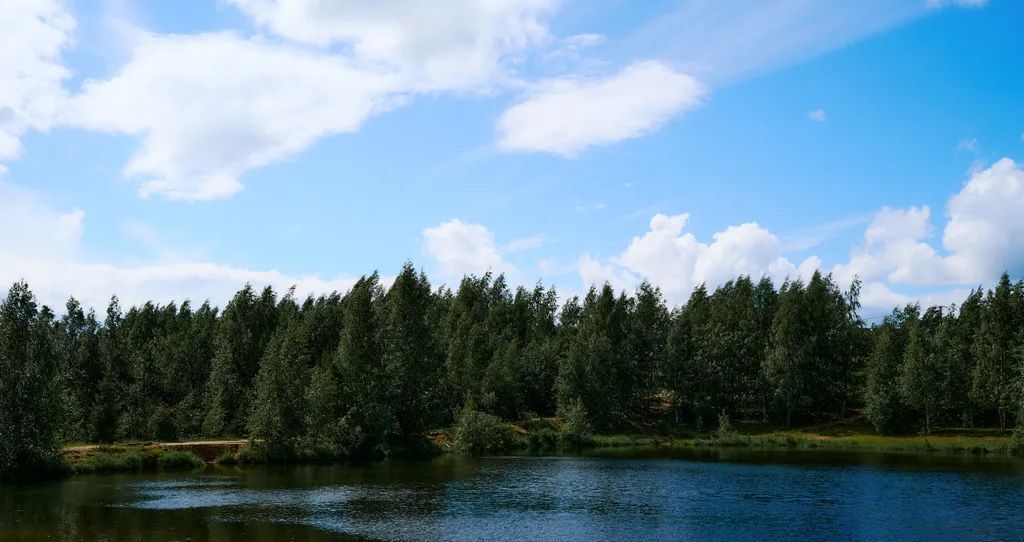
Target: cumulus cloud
[
  {"x": 818, "y": 115},
  {"x": 565, "y": 116},
  {"x": 985, "y": 232},
  {"x": 32, "y": 36},
  {"x": 48, "y": 254},
  {"x": 677, "y": 262},
  {"x": 209, "y": 107},
  {"x": 455, "y": 45},
  {"x": 462, "y": 248},
  {"x": 983, "y": 236}
]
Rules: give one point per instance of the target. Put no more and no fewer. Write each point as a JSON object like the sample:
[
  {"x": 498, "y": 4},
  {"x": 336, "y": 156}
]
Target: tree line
[{"x": 371, "y": 371}]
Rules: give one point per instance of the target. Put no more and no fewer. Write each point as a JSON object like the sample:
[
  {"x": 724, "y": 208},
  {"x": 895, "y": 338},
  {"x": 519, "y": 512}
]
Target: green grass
[
  {"x": 109, "y": 461},
  {"x": 177, "y": 460},
  {"x": 227, "y": 457},
  {"x": 955, "y": 444}
]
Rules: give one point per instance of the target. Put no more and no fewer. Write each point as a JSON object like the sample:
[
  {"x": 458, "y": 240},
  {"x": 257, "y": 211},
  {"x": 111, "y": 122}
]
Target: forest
[{"x": 370, "y": 372}]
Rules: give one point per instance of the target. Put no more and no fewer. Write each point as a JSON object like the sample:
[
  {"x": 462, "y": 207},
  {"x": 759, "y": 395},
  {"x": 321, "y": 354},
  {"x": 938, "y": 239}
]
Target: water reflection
[{"x": 612, "y": 495}]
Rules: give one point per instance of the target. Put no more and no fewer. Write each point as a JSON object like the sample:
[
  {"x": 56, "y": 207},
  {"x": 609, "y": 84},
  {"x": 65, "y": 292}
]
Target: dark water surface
[{"x": 623, "y": 495}]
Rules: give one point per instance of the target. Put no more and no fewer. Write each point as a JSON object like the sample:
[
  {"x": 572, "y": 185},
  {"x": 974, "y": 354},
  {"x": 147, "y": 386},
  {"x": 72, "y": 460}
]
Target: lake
[{"x": 612, "y": 495}]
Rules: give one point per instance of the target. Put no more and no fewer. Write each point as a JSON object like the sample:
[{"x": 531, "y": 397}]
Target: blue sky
[{"x": 172, "y": 151}]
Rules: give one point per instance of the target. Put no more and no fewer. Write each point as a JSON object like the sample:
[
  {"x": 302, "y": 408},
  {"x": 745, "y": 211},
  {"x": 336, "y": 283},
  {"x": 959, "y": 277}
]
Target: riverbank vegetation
[{"x": 369, "y": 373}]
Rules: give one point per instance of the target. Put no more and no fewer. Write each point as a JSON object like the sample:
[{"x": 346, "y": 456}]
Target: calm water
[{"x": 647, "y": 496}]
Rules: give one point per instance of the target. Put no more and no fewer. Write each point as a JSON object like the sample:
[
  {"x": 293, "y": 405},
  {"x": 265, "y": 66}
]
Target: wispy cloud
[
  {"x": 723, "y": 42},
  {"x": 818, "y": 234}
]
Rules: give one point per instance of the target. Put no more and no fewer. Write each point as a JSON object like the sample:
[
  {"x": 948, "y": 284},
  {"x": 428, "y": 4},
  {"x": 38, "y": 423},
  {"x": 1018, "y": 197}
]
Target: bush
[
  {"x": 253, "y": 453},
  {"x": 725, "y": 430},
  {"x": 543, "y": 439},
  {"x": 575, "y": 425},
  {"x": 1016, "y": 445},
  {"x": 226, "y": 457},
  {"x": 109, "y": 462},
  {"x": 176, "y": 460},
  {"x": 480, "y": 433}
]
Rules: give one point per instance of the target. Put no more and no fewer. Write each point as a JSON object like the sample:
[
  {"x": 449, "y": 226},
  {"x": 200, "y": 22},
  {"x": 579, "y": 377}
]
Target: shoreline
[{"x": 195, "y": 454}]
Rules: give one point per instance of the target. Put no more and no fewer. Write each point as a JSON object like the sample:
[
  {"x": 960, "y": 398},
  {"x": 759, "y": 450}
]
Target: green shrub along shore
[
  {"x": 480, "y": 433},
  {"x": 369, "y": 373}
]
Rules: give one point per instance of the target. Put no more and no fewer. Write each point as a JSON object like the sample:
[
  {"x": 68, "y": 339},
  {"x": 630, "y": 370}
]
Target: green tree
[
  {"x": 595, "y": 360},
  {"x": 921, "y": 377},
  {"x": 30, "y": 406},
  {"x": 684, "y": 369},
  {"x": 646, "y": 340},
  {"x": 786, "y": 365},
  {"x": 410, "y": 355},
  {"x": 996, "y": 370},
  {"x": 347, "y": 412},
  {"x": 883, "y": 403},
  {"x": 278, "y": 412},
  {"x": 81, "y": 369},
  {"x": 246, "y": 326}
]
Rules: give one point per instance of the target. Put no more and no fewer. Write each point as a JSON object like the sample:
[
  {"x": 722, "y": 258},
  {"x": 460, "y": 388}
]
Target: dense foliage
[{"x": 372, "y": 371}]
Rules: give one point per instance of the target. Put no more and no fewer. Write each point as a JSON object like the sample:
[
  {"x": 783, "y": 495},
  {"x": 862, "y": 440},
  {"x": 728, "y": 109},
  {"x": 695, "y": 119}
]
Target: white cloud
[
  {"x": 567, "y": 115},
  {"x": 582, "y": 41},
  {"x": 895, "y": 251},
  {"x": 724, "y": 42},
  {"x": 677, "y": 262},
  {"x": 591, "y": 208},
  {"x": 818, "y": 115},
  {"x": 209, "y": 107},
  {"x": 985, "y": 232},
  {"x": 48, "y": 254},
  {"x": 525, "y": 243},
  {"x": 983, "y": 236},
  {"x": 968, "y": 145},
  {"x": 461, "y": 248},
  {"x": 459, "y": 44},
  {"x": 32, "y": 35}
]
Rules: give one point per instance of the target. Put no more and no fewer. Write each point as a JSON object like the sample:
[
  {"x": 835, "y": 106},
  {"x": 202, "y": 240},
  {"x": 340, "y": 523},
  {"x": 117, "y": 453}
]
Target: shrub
[
  {"x": 109, "y": 462},
  {"x": 543, "y": 439},
  {"x": 177, "y": 460},
  {"x": 725, "y": 430},
  {"x": 253, "y": 453},
  {"x": 1016, "y": 445},
  {"x": 227, "y": 457},
  {"x": 480, "y": 433},
  {"x": 575, "y": 425}
]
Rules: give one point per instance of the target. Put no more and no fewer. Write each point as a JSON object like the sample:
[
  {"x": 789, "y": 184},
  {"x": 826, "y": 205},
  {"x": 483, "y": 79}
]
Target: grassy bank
[
  {"x": 137, "y": 457},
  {"x": 550, "y": 435},
  {"x": 803, "y": 440}
]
